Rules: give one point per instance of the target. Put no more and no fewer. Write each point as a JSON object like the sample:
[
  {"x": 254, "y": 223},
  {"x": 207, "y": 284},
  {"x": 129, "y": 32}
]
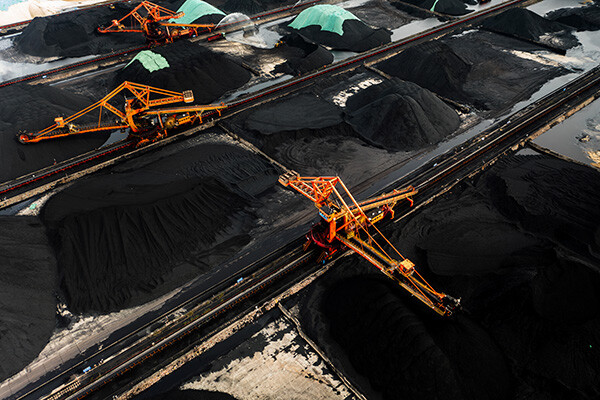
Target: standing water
[{"x": 578, "y": 137}]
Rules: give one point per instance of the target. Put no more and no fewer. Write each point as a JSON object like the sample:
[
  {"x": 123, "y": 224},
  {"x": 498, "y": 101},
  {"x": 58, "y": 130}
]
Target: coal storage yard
[{"x": 154, "y": 245}]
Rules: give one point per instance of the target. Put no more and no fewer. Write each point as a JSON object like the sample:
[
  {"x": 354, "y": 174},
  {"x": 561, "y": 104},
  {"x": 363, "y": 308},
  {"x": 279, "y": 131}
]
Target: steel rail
[
  {"x": 533, "y": 113},
  {"x": 512, "y": 125},
  {"x": 525, "y": 118},
  {"x": 124, "y": 52},
  {"x": 143, "y": 354},
  {"x": 353, "y": 62},
  {"x": 271, "y": 257}
]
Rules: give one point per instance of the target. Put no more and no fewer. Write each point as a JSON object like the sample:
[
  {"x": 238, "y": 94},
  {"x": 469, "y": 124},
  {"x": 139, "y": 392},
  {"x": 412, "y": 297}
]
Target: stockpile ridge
[{"x": 334, "y": 27}]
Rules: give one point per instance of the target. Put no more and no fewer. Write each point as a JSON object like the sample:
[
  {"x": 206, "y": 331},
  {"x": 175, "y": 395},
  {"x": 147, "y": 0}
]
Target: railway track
[
  {"x": 125, "y": 55},
  {"x": 433, "y": 179},
  {"x": 259, "y": 280},
  {"x": 14, "y": 191},
  {"x": 131, "y": 350},
  {"x": 506, "y": 135}
]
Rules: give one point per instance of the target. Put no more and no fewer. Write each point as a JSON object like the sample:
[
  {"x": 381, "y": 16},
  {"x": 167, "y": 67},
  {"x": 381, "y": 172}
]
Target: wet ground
[
  {"x": 577, "y": 138},
  {"x": 139, "y": 230}
]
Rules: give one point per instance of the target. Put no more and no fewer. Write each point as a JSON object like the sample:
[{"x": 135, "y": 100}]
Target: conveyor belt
[{"x": 275, "y": 91}]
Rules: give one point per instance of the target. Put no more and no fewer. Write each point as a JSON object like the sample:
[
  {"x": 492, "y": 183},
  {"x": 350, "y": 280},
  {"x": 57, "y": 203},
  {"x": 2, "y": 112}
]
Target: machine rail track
[
  {"x": 264, "y": 17},
  {"x": 137, "y": 356},
  {"x": 201, "y": 307},
  {"x": 432, "y": 179},
  {"x": 7, "y": 188},
  {"x": 87, "y": 63},
  {"x": 499, "y": 138}
]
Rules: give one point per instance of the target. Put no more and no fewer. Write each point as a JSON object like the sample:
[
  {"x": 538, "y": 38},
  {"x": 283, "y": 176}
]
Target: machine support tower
[{"x": 346, "y": 223}]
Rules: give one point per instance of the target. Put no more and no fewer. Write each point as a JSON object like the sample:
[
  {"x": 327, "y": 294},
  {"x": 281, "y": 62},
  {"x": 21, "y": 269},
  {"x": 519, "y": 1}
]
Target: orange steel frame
[
  {"x": 319, "y": 190},
  {"x": 136, "y": 22},
  {"x": 144, "y": 99},
  {"x": 347, "y": 220}
]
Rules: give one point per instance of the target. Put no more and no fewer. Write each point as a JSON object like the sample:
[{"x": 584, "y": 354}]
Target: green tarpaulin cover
[
  {"x": 328, "y": 17},
  {"x": 194, "y": 9},
  {"x": 150, "y": 60}
]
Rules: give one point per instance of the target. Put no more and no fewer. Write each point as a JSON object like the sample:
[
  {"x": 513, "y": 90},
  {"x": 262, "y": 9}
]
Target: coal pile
[
  {"x": 449, "y": 7},
  {"x": 434, "y": 66},
  {"x": 75, "y": 34},
  {"x": 535, "y": 210},
  {"x": 300, "y": 117},
  {"x": 357, "y": 37},
  {"x": 554, "y": 200},
  {"x": 195, "y": 12},
  {"x": 32, "y": 108},
  {"x": 499, "y": 79},
  {"x": 188, "y": 66},
  {"x": 302, "y": 56},
  {"x": 399, "y": 115},
  {"x": 581, "y": 19},
  {"x": 336, "y": 28},
  {"x": 124, "y": 251},
  {"x": 393, "y": 115},
  {"x": 474, "y": 69},
  {"x": 27, "y": 283},
  {"x": 409, "y": 354},
  {"x": 521, "y": 245},
  {"x": 304, "y": 111},
  {"x": 524, "y": 24},
  {"x": 140, "y": 230}
]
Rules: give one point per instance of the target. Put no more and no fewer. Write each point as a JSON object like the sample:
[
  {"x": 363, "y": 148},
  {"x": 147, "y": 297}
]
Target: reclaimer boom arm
[
  {"x": 144, "y": 111},
  {"x": 345, "y": 221},
  {"x": 147, "y": 17}
]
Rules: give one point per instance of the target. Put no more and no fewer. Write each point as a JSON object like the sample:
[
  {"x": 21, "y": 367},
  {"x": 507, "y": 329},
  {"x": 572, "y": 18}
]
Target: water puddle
[
  {"x": 547, "y": 88},
  {"x": 414, "y": 27},
  {"x": 543, "y": 7},
  {"x": 578, "y": 137},
  {"x": 11, "y": 70},
  {"x": 259, "y": 37},
  {"x": 339, "y": 55},
  {"x": 255, "y": 88}
]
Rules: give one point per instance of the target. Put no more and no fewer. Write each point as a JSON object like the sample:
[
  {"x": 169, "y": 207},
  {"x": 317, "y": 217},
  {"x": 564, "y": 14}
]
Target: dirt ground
[
  {"x": 135, "y": 231},
  {"x": 275, "y": 363}
]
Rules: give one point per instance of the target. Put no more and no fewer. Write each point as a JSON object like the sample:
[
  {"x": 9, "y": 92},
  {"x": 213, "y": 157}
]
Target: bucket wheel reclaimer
[
  {"x": 147, "y": 114},
  {"x": 345, "y": 224}
]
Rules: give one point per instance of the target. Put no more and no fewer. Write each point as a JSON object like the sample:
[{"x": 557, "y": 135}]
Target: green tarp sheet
[
  {"x": 150, "y": 60},
  {"x": 328, "y": 17},
  {"x": 194, "y": 9}
]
